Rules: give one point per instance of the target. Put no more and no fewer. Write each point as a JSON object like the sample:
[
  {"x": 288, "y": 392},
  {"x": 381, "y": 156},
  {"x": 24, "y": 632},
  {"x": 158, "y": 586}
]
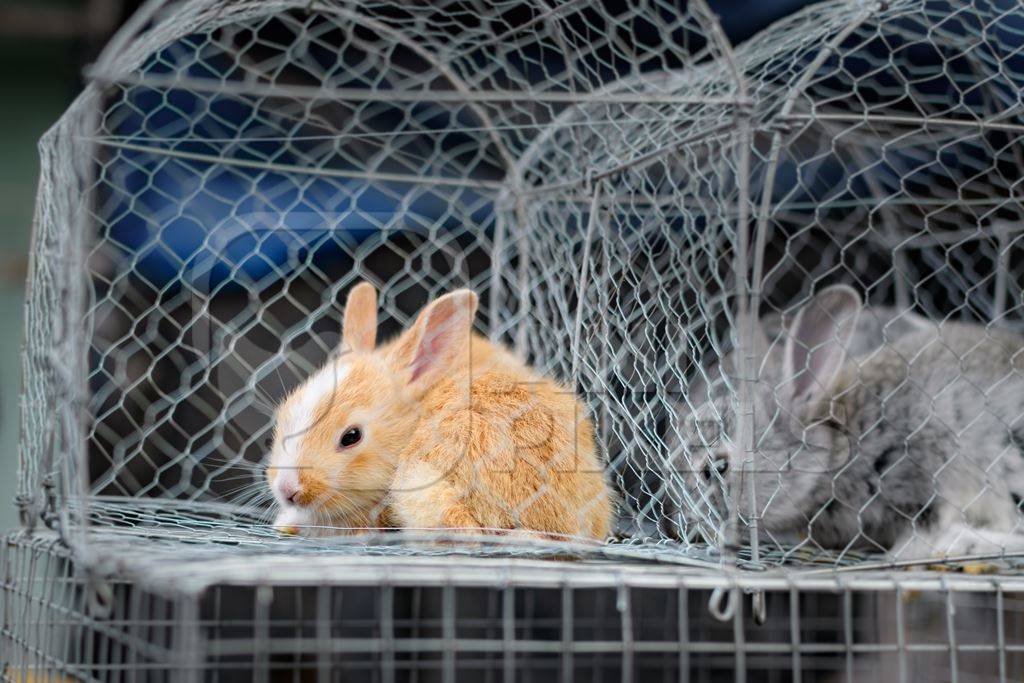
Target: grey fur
[{"x": 910, "y": 446}]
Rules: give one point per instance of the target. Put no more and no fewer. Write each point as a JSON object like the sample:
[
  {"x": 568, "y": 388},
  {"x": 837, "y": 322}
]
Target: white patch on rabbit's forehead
[{"x": 301, "y": 413}]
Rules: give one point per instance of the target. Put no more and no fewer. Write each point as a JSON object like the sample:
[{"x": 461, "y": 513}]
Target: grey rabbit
[
  {"x": 708, "y": 394},
  {"x": 913, "y": 447}
]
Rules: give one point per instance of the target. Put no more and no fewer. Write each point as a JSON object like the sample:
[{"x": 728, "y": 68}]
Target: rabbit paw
[
  {"x": 289, "y": 522},
  {"x": 965, "y": 543}
]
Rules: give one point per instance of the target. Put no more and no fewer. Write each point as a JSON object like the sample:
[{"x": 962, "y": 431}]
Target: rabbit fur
[{"x": 914, "y": 446}]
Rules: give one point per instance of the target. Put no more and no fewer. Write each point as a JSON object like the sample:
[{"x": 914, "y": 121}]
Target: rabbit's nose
[{"x": 291, "y": 491}]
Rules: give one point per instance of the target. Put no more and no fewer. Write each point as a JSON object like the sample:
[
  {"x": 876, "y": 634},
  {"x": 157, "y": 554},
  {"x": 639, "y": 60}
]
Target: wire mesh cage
[
  {"x": 428, "y": 620},
  {"x": 783, "y": 278},
  {"x": 241, "y": 168},
  {"x": 848, "y": 146}
]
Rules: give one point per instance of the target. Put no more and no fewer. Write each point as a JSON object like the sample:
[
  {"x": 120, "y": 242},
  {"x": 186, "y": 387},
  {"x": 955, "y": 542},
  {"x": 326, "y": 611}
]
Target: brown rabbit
[{"x": 439, "y": 428}]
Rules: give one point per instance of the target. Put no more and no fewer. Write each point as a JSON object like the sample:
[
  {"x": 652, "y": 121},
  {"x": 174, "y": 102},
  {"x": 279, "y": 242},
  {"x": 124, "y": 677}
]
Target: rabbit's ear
[
  {"x": 438, "y": 339},
  {"x": 359, "y": 329},
  {"x": 817, "y": 341}
]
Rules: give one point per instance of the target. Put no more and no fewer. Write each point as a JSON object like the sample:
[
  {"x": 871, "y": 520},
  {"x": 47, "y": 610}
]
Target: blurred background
[{"x": 44, "y": 46}]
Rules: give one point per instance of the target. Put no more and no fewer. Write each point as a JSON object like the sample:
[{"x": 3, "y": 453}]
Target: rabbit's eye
[
  {"x": 351, "y": 437},
  {"x": 720, "y": 465}
]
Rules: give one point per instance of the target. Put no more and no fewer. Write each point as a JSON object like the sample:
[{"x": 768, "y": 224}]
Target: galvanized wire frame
[
  {"x": 635, "y": 200},
  {"x": 838, "y": 194},
  {"x": 340, "y": 619},
  {"x": 632, "y": 197},
  {"x": 142, "y": 439}
]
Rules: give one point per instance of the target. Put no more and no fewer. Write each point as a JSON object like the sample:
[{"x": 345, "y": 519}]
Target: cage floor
[
  {"x": 216, "y": 543},
  {"x": 219, "y": 524},
  {"x": 176, "y": 568}
]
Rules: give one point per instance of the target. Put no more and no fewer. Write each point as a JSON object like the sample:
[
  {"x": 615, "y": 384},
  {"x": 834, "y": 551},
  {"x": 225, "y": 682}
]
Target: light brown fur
[{"x": 458, "y": 434}]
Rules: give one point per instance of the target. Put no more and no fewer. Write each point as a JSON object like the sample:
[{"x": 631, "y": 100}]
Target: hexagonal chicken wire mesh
[
  {"x": 657, "y": 218},
  {"x": 797, "y": 290}
]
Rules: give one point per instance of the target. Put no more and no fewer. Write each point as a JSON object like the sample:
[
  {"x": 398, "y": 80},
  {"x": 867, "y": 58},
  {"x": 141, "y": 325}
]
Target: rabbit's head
[
  {"x": 339, "y": 435},
  {"x": 773, "y": 469}
]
